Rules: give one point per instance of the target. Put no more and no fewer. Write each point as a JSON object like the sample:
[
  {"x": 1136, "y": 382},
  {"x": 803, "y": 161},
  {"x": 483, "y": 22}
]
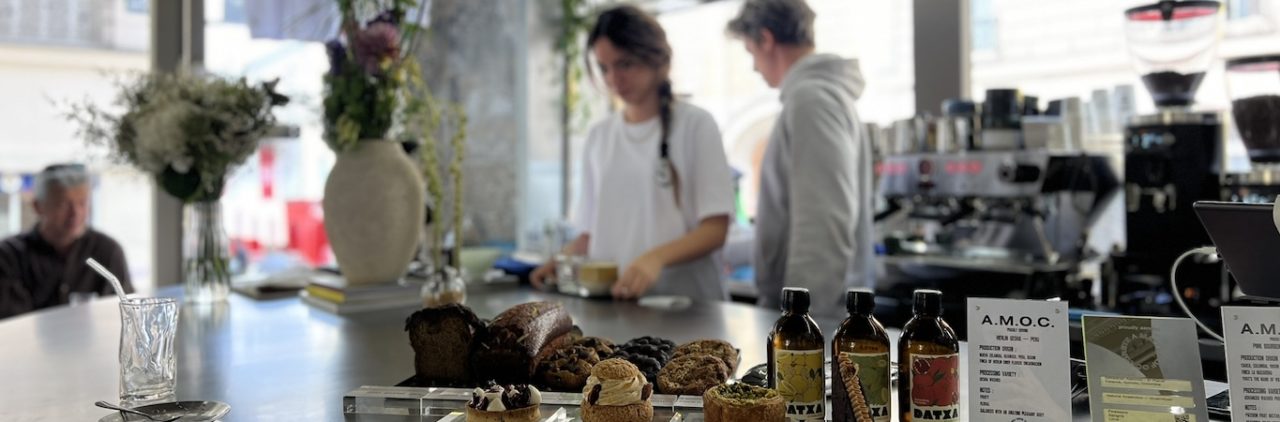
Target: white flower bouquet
[{"x": 188, "y": 131}]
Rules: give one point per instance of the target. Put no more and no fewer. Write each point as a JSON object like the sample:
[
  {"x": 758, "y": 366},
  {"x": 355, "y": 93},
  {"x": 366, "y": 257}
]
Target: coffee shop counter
[{"x": 284, "y": 360}]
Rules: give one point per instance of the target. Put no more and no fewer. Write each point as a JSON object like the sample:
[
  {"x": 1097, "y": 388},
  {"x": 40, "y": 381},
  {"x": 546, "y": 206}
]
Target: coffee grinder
[
  {"x": 1254, "y": 86},
  {"x": 1172, "y": 156}
]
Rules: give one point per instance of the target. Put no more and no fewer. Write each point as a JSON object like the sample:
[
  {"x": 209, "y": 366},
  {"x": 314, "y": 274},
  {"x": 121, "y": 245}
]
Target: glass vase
[{"x": 205, "y": 254}]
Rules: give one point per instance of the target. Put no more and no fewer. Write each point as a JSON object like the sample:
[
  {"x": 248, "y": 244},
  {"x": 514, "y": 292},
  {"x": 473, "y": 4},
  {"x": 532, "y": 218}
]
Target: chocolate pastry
[
  {"x": 567, "y": 369},
  {"x": 692, "y": 375},
  {"x": 648, "y": 353},
  {"x": 443, "y": 339},
  {"x": 601, "y": 345}
]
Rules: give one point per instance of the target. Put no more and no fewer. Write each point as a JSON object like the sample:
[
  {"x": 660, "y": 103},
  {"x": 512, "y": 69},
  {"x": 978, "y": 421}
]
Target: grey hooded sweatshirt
[{"x": 813, "y": 221}]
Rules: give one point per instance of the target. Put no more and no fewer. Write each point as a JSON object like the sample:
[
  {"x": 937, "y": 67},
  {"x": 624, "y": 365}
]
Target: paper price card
[
  {"x": 1019, "y": 362},
  {"x": 1143, "y": 370},
  {"x": 1253, "y": 362}
]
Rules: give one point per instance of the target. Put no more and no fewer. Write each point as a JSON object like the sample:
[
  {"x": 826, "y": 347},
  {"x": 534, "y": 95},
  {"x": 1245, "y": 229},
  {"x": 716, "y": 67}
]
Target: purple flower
[
  {"x": 375, "y": 44},
  {"x": 337, "y": 55}
]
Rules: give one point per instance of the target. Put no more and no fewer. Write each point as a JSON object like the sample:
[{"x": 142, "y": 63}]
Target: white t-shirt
[{"x": 626, "y": 209}]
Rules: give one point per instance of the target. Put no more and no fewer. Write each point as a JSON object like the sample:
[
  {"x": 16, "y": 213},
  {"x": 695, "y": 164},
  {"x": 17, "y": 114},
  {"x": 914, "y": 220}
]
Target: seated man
[{"x": 44, "y": 266}]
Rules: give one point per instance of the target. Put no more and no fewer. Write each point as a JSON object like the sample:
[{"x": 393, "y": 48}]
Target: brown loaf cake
[
  {"x": 518, "y": 339},
  {"x": 742, "y": 402},
  {"x": 442, "y": 340}
]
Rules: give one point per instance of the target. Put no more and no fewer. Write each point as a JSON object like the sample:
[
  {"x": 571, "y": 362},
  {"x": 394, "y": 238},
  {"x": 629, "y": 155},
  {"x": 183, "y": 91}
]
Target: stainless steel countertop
[{"x": 283, "y": 360}]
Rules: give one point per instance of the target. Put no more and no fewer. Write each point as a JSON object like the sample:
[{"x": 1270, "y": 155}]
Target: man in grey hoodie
[{"x": 813, "y": 221}]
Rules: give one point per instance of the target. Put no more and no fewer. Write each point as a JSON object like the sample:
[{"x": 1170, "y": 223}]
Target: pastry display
[
  {"x": 648, "y": 353},
  {"x": 537, "y": 344},
  {"x": 858, "y": 400},
  {"x": 567, "y": 369},
  {"x": 518, "y": 338},
  {"x": 742, "y": 402},
  {"x": 692, "y": 374},
  {"x": 511, "y": 403},
  {"x": 617, "y": 392},
  {"x": 718, "y": 348},
  {"x": 443, "y": 339}
]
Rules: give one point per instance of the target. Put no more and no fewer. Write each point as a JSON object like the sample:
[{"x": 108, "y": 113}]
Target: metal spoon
[{"x": 106, "y": 405}]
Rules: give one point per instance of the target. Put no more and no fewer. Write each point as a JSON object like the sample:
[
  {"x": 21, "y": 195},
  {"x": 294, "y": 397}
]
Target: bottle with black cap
[
  {"x": 795, "y": 359},
  {"x": 928, "y": 363},
  {"x": 860, "y": 363},
  {"x": 861, "y": 350}
]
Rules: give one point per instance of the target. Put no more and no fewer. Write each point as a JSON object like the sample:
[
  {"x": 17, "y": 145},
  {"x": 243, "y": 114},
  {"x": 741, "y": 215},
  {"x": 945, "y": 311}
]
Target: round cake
[
  {"x": 617, "y": 392},
  {"x": 742, "y": 402},
  {"x": 692, "y": 375},
  {"x": 718, "y": 348}
]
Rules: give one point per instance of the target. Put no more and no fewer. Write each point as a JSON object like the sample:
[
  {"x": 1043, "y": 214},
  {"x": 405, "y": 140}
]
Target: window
[
  {"x": 1242, "y": 9},
  {"x": 137, "y": 6},
  {"x": 233, "y": 12},
  {"x": 39, "y": 77},
  {"x": 982, "y": 21},
  {"x": 271, "y": 203}
]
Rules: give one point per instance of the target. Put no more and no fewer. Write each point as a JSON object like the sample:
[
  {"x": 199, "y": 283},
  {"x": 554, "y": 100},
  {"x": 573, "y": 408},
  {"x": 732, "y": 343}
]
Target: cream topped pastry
[
  {"x": 616, "y": 392},
  {"x": 498, "y": 398}
]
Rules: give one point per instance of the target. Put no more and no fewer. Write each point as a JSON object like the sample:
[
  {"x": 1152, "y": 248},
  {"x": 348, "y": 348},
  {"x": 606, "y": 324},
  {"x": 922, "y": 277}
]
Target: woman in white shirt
[{"x": 657, "y": 191}]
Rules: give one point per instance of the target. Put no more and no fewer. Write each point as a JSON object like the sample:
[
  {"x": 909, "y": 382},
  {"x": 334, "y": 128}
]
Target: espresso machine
[
  {"x": 982, "y": 214},
  {"x": 1172, "y": 157}
]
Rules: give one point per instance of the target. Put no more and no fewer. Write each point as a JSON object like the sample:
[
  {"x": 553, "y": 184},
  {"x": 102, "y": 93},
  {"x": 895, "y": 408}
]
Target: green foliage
[
  {"x": 428, "y": 117},
  {"x": 358, "y": 106}
]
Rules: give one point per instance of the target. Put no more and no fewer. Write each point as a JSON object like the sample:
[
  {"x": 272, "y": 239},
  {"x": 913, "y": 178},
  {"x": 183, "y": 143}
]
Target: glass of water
[
  {"x": 148, "y": 364},
  {"x": 567, "y": 266}
]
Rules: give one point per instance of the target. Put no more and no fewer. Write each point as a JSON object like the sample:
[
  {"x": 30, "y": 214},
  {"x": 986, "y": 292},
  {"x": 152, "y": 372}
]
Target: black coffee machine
[{"x": 1172, "y": 157}]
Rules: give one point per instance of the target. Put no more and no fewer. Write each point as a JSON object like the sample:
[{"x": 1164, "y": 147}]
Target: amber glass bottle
[
  {"x": 795, "y": 359},
  {"x": 861, "y": 343},
  {"x": 928, "y": 364}
]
